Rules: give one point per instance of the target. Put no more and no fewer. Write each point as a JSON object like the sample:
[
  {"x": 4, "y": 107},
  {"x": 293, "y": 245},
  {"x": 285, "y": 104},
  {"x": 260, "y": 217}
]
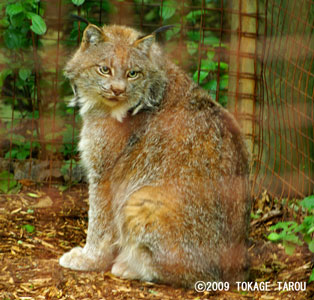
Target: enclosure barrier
[{"x": 255, "y": 57}]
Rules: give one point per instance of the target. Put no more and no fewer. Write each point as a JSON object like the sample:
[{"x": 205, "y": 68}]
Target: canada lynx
[{"x": 167, "y": 166}]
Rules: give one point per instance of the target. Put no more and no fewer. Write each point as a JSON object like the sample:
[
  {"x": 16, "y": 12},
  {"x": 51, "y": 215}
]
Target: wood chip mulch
[{"x": 38, "y": 226}]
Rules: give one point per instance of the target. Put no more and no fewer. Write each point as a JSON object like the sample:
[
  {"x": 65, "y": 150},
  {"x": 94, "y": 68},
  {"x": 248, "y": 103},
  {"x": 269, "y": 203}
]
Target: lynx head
[{"x": 116, "y": 70}]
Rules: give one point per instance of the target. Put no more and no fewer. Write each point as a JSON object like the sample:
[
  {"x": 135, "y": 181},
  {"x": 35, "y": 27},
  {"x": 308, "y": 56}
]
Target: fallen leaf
[
  {"x": 33, "y": 195},
  {"x": 44, "y": 202}
]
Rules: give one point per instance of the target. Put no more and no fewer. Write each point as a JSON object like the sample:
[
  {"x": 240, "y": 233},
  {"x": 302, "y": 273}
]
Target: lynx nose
[{"x": 117, "y": 90}]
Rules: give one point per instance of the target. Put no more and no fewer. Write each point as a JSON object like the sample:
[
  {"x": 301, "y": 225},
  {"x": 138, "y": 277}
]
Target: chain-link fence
[
  {"x": 284, "y": 136},
  {"x": 255, "y": 57}
]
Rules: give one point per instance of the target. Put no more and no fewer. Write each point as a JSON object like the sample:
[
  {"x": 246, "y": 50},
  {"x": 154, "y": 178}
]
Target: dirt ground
[{"x": 38, "y": 226}]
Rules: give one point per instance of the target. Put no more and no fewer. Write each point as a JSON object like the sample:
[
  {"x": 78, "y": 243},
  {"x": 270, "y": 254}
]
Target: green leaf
[
  {"x": 194, "y": 35},
  {"x": 38, "y": 24},
  {"x": 69, "y": 134},
  {"x": 18, "y": 139},
  {"x": 310, "y": 230},
  {"x": 202, "y": 76},
  {"x": 22, "y": 154},
  {"x": 291, "y": 238},
  {"x": 289, "y": 247},
  {"x": 211, "y": 40},
  {"x": 4, "y": 22},
  {"x": 191, "y": 47},
  {"x": 210, "y": 55},
  {"x": 33, "y": 195},
  {"x": 14, "y": 153},
  {"x": 6, "y": 114},
  {"x": 17, "y": 20},
  {"x": 24, "y": 73},
  {"x": 14, "y": 9},
  {"x": 219, "y": 45},
  {"x": 78, "y": 2},
  {"x": 3, "y": 75},
  {"x": 307, "y": 238},
  {"x": 255, "y": 216},
  {"x": 153, "y": 292},
  {"x": 34, "y": 3},
  {"x": 211, "y": 85},
  {"x": 308, "y": 202},
  {"x": 312, "y": 276},
  {"x": 29, "y": 228},
  {"x": 274, "y": 237},
  {"x": 311, "y": 246},
  {"x": 223, "y": 83},
  {"x": 208, "y": 65},
  {"x": 173, "y": 32},
  {"x": 151, "y": 15},
  {"x": 283, "y": 225},
  {"x": 13, "y": 38},
  {"x": 167, "y": 10},
  {"x": 5, "y": 185},
  {"x": 223, "y": 100},
  {"x": 222, "y": 65},
  {"x": 193, "y": 15},
  {"x": 63, "y": 188}
]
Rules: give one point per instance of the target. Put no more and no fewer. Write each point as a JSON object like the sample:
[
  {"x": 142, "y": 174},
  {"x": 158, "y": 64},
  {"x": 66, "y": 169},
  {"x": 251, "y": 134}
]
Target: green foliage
[
  {"x": 255, "y": 216},
  {"x": 78, "y": 2},
  {"x": 88, "y": 10},
  {"x": 30, "y": 109},
  {"x": 292, "y": 233},
  {"x": 29, "y": 228},
  {"x": 312, "y": 276},
  {"x": 19, "y": 20},
  {"x": 7, "y": 183},
  {"x": 21, "y": 147},
  {"x": 308, "y": 202},
  {"x": 167, "y": 10},
  {"x": 67, "y": 166},
  {"x": 23, "y": 24},
  {"x": 21, "y": 17},
  {"x": 4, "y": 74},
  {"x": 38, "y": 24},
  {"x": 209, "y": 71}
]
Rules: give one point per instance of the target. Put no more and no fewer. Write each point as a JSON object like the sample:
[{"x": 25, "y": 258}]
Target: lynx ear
[
  {"x": 92, "y": 36},
  {"x": 145, "y": 42}
]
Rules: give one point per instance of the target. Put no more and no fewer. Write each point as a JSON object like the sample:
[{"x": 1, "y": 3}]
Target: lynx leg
[
  {"x": 98, "y": 253},
  {"x": 164, "y": 242},
  {"x": 143, "y": 221},
  {"x": 134, "y": 262}
]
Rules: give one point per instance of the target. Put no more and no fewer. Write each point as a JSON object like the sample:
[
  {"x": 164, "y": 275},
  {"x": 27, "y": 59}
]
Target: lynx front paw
[
  {"x": 122, "y": 270},
  {"x": 79, "y": 259}
]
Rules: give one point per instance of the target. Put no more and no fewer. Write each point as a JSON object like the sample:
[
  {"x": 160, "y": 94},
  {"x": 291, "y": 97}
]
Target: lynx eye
[
  {"x": 132, "y": 74},
  {"x": 104, "y": 70}
]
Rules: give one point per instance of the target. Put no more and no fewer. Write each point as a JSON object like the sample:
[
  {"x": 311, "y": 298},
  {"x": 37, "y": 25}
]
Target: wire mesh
[
  {"x": 255, "y": 57},
  {"x": 284, "y": 127}
]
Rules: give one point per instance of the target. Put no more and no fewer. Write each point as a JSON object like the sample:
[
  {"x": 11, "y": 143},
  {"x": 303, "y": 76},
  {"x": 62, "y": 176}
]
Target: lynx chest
[{"x": 103, "y": 140}]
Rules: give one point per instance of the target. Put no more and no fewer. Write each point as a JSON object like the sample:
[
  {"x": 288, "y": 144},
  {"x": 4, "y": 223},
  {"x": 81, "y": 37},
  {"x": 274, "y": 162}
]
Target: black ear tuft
[
  {"x": 162, "y": 29},
  {"x": 79, "y": 18}
]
